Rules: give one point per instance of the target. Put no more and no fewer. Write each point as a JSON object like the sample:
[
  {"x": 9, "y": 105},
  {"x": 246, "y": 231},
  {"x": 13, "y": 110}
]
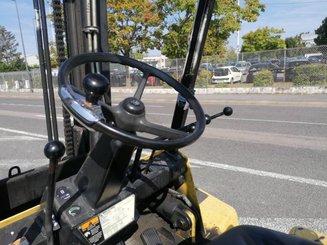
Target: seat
[{"x": 254, "y": 235}]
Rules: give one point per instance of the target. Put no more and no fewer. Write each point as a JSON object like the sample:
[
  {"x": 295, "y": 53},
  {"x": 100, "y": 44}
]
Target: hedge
[
  {"x": 263, "y": 78},
  {"x": 313, "y": 74},
  {"x": 203, "y": 79}
]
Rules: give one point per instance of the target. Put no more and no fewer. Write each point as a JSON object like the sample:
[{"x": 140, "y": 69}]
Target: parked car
[
  {"x": 226, "y": 74},
  {"x": 174, "y": 71},
  {"x": 136, "y": 78},
  {"x": 206, "y": 66},
  {"x": 290, "y": 68},
  {"x": 227, "y": 63},
  {"x": 243, "y": 66},
  {"x": 278, "y": 72},
  {"x": 118, "y": 77},
  {"x": 275, "y": 61},
  {"x": 254, "y": 60},
  {"x": 315, "y": 59}
]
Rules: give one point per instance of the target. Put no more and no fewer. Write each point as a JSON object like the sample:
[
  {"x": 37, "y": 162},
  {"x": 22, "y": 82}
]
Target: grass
[
  {"x": 241, "y": 85},
  {"x": 250, "y": 85}
]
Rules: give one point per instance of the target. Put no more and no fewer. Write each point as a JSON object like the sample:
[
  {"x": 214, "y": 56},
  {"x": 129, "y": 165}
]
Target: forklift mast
[{"x": 83, "y": 25}]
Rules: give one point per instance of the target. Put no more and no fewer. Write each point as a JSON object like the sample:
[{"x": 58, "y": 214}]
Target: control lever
[
  {"x": 227, "y": 112},
  {"x": 54, "y": 151}
]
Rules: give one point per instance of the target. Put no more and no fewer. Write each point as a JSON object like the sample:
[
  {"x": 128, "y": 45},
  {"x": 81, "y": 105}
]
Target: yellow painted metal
[
  {"x": 317, "y": 237},
  {"x": 188, "y": 188},
  {"x": 20, "y": 216},
  {"x": 217, "y": 216}
]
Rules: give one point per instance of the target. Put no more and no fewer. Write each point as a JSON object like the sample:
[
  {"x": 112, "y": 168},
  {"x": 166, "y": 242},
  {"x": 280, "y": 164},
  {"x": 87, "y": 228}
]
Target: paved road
[{"x": 268, "y": 160}]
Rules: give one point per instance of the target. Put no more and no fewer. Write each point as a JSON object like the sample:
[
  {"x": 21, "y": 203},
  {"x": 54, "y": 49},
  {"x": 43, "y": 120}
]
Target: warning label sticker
[
  {"x": 109, "y": 222},
  {"x": 118, "y": 216},
  {"x": 92, "y": 231}
]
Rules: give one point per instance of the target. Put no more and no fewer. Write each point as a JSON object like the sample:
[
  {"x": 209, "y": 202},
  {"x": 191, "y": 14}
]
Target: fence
[
  {"x": 292, "y": 63},
  {"x": 313, "y": 59},
  {"x": 20, "y": 80}
]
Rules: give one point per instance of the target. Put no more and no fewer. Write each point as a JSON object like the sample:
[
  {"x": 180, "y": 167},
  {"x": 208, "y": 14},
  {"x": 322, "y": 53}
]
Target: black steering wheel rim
[{"x": 69, "y": 94}]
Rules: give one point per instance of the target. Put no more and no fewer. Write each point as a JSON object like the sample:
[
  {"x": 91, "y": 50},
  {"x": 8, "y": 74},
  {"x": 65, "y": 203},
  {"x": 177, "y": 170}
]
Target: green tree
[
  {"x": 321, "y": 33},
  {"x": 131, "y": 25},
  {"x": 294, "y": 42},
  {"x": 53, "y": 54},
  {"x": 263, "y": 39},
  {"x": 178, "y": 17},
  {"x": 175, "y": 28},
  {"x": 9, "y": 56}
]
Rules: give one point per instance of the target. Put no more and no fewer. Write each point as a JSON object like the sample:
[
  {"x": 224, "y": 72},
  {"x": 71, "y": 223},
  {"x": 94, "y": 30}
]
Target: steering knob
[
  {"x": 54, "y": 150},
  {"x": 228, "y": 111},
  {"x": 133, "y": 106},
  {"x": 95, "y": 85}
]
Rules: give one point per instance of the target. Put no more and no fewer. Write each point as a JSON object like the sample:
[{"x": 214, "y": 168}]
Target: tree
[
  {"x": 321, "y": 33},
  {"x": 131, "y": 25},
  {"x": 9, "y": 57},
  {"x": 176, "y": 26},
  {"x": 178, "y": 17},
  {"x": 263, "y": 39},
  {"x": 294, "y": 42},
  {"x": 167, "y": 25}
]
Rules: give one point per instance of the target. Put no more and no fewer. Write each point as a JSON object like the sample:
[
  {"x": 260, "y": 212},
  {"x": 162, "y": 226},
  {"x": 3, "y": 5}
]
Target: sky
[{"x": 294, "y": 16}]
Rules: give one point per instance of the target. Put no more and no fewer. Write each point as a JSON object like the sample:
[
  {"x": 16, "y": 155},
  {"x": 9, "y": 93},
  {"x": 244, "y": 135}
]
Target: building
[
  {"x": 308, "y": 39},
  {"x": 32, "y": 60},
  {"x": 156, "y": 61}
]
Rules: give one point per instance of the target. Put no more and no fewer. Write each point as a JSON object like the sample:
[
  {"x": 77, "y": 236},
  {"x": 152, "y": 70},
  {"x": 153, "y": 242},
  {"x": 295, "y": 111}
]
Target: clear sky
[{"x": 294, "y": 16}]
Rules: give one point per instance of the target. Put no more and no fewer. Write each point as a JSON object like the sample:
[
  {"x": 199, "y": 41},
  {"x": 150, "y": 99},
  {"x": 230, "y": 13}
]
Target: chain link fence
[
  {"x": 19, "y": 80},
  {"x": 299, "y": 66}
]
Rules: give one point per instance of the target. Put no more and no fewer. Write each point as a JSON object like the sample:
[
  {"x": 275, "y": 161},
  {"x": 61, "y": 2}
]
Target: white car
[
  {"x": 243, "y": 66},
  {"x": 226, "y": 74}
]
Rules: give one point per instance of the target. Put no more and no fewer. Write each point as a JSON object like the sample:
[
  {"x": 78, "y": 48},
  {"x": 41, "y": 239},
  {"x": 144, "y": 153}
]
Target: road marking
[
  {"x": 27, "y": 105},
  {"x": 279, "y": 224},
  {"x": 251, "y": 119},
  {"x": 27, "y": 133},
  {"x": 277, "y": 139},
  {"x": 58, "y": 117},
  {"x": 301, "y": 180},
  {"x": 59, "y": 107},
  {"x": 285, "y": 224},
  {"x": 154, "y": 106},
  {"x": 146, "y": 105},
  {"x": 274, "y": 121},
  {"x": 19, "y": 138},
  {"x": 164, "y": 114},
  {"x": 167, "y": 114}
]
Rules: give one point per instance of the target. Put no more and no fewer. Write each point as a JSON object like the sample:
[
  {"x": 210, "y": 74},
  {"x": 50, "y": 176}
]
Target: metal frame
[{"x": 193, "y": 59}]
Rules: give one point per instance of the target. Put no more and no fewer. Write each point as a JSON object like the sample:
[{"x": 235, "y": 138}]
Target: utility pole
[
  {"x": 238, "y": 39},
  {"x": 22, "y": 39}
]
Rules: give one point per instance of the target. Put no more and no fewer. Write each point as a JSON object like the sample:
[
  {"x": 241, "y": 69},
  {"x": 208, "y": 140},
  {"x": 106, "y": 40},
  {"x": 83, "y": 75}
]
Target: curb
[{"x": 253, "y": 90}]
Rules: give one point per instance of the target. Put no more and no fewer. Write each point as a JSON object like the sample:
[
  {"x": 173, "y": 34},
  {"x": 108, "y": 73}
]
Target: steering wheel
[{"x": 128, "y": 117}]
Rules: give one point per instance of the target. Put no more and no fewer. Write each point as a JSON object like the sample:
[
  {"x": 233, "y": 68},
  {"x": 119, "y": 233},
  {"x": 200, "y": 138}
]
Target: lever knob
[
  {"x": 208, "y": 118},
  {"x": 228, "y": 111},
  {"x": 54, "y": 150},
  {"x": 95, "y": 86}
]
